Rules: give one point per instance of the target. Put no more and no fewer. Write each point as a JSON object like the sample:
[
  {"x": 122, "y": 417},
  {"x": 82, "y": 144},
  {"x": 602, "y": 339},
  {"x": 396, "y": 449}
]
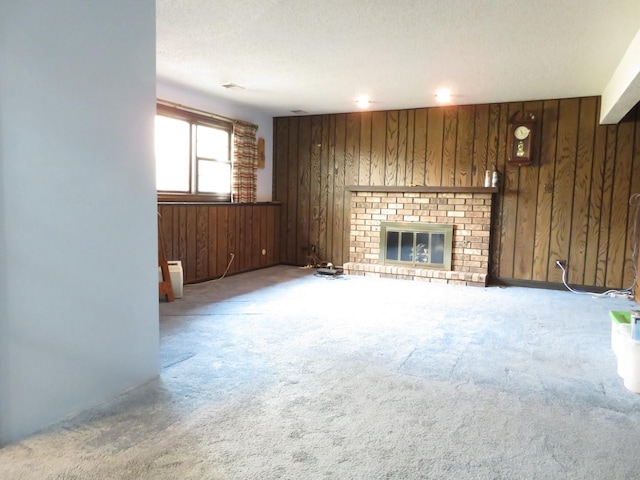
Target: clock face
[{"x": 521, "y": 132}]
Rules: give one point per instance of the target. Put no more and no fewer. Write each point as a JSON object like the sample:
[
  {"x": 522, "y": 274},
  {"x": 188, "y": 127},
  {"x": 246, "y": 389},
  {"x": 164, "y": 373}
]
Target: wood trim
[
  {"x": 513, "y": 282},
  {"x": 420, "y": 189},
  {"x": 203, "y": 202},
  {"x": 192, "y": 198}
]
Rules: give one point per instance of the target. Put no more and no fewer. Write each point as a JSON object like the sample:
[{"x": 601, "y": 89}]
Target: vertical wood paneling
[
  {"x": 571, "y": 203},
  {"x": 582, "y": 193},
  {"x": 218, "y": 231},
  {"x": 633, "y": 237},
  {"x": 180, "y": 235},
  {"x": 463, "y": 175},
  {"x": 166, "y": 222},
  {"x": 212, "y": 245},
  {"x": 418, "y": 167},
  {"x": 304, "y": 190},
  {"x": 315, "y": 179},
  {"x": 281, "y": 177},
  {"x": 202, "y": 242},
  {"x": 244, "y": 255},
  {"x": 255, "y": 235},
  {"x": 526, "y": 211},
  {"x": 235, "y": 247},
  {"x": 378, "y": 148},
  {"x": 479, "y": 159},
  {"x": 391, "y": 153},
  {"x": 605, "y": 208},
  {"x": 449, "y": 141},
  {"x": 232, "y": 238},
  {"x": 340, "y": 210},
  {"x": 403, "y": 131},
  {"x": 191, "y": 245},
  {"x": 595, "y": 202},
  {"x": 493, "y": 137},
  {"x": 329, "y": 126},
  {"x": 291, "y": 238},
  {"x": 350, "y": 174},
  {"x": 364, "y": 162},
  {"x": 434, "y": 146},
  {"x": 509, "y": 206},
  {"x": 620, "y": 203},
  {"x": 263, "y": 244},
  {"x": 561, "y": 213},
  {"x": 546, "y": 172},
  {"x": 244, "y": 237},
  {"x": 273, "y": 221},
  {"x": 494, "y": 152},
  {"x": 326, "y": 186},
  {"x": 222, "y": 239}
]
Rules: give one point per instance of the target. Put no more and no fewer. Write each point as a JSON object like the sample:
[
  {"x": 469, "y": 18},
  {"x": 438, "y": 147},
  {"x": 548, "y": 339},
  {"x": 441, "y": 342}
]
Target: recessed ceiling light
[
  {"x": 443, "y": 95},
  {"x": 363, "y": 101}
]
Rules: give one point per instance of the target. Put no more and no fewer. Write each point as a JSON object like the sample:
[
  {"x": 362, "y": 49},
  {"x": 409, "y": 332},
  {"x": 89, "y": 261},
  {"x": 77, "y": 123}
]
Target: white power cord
[
  {"x": 634, "y": 201},
  {"x": 609, "y": 293},
  {"x": 232, "y": 255}
]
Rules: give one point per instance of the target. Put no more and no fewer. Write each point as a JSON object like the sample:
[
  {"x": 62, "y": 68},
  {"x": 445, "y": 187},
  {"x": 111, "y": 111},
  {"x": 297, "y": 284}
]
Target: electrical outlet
[{"x": 561, "y": 264}]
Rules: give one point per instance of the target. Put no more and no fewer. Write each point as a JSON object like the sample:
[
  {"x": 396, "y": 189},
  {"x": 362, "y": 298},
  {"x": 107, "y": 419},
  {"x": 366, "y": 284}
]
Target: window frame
[{"x": 194, "y": 119}]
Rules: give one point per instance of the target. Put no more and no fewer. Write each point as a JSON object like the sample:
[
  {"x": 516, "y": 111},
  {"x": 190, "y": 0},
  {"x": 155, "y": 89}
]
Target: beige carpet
[{"x": 279, "y": 374}]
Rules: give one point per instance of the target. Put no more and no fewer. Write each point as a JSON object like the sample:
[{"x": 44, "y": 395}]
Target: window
[{"x": 193, "y": 156}]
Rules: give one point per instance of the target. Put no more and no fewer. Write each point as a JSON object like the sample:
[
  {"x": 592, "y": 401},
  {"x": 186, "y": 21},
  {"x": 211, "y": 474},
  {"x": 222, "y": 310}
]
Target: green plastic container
[{"x": 620, "y": 317}]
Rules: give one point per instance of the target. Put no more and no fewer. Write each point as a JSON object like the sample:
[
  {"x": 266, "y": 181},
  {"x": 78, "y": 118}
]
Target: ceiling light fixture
[
  {"x": 363, "y": 101},
  {"x": 443, "y": 95}
]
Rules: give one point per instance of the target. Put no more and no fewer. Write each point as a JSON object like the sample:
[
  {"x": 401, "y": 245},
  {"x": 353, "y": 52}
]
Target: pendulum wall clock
[{"x": 521, "y": 146}]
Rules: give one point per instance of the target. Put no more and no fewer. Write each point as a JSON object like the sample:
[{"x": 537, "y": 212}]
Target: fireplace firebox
[{"x": 425, "y": 245}]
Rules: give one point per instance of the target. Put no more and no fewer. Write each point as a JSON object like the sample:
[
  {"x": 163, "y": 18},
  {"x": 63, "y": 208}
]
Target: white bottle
[{"x": 494, "y": 179}]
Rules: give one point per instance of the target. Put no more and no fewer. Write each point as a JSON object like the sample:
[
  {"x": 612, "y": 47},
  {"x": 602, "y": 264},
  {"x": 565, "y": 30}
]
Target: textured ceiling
[{"x": 318, "y": 56}]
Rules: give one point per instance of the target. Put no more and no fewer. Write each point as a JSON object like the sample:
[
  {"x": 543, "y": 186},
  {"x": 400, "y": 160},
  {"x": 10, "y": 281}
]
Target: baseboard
[{"x": 512, "y": 282}]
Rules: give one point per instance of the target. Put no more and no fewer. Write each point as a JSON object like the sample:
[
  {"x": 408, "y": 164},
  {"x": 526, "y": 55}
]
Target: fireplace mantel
[{"x": 419, "y": 189}]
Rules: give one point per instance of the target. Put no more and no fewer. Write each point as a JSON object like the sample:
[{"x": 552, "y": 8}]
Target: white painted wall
[
  {"x": 193, "y": 99},
  {"x": 78, "y": 281},
  {"x": 622, "y": 92}
]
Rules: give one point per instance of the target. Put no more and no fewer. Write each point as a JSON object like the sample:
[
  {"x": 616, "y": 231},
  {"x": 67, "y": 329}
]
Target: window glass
[
  {"x": 212, "y": 143},
  {"x": 437, "y": 253},
  {"x": 172, "y": 140},
  {"x": 393, "y": 239},
  {"x": 406, "y": 252},
  {"x": 214, "y": 177}
]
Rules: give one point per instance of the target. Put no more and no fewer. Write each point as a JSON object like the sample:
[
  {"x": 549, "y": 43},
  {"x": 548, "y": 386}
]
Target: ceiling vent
[{"x": 233, "y": 86}]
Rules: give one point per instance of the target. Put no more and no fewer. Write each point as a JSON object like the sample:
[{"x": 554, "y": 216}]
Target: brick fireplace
[{"x": 467, "y": 209}]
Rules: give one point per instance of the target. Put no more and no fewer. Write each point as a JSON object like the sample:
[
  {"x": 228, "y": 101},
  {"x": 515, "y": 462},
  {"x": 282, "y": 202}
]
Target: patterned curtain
[{"x": 245, "y": 162}]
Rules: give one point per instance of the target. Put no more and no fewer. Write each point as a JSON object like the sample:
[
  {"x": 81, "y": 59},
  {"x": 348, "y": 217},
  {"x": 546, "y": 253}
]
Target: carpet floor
[{"x": 281, "y": 374}]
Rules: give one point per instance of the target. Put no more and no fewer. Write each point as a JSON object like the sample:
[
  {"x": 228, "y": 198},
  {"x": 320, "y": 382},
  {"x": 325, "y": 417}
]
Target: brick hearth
[{"x": 468, "y": 209}]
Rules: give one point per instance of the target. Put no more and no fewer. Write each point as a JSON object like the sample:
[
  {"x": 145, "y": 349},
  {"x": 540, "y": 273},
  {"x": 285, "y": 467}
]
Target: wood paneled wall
[
  {"x": 571, "y": 204},
  {"x": 203, "y": 236}
]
